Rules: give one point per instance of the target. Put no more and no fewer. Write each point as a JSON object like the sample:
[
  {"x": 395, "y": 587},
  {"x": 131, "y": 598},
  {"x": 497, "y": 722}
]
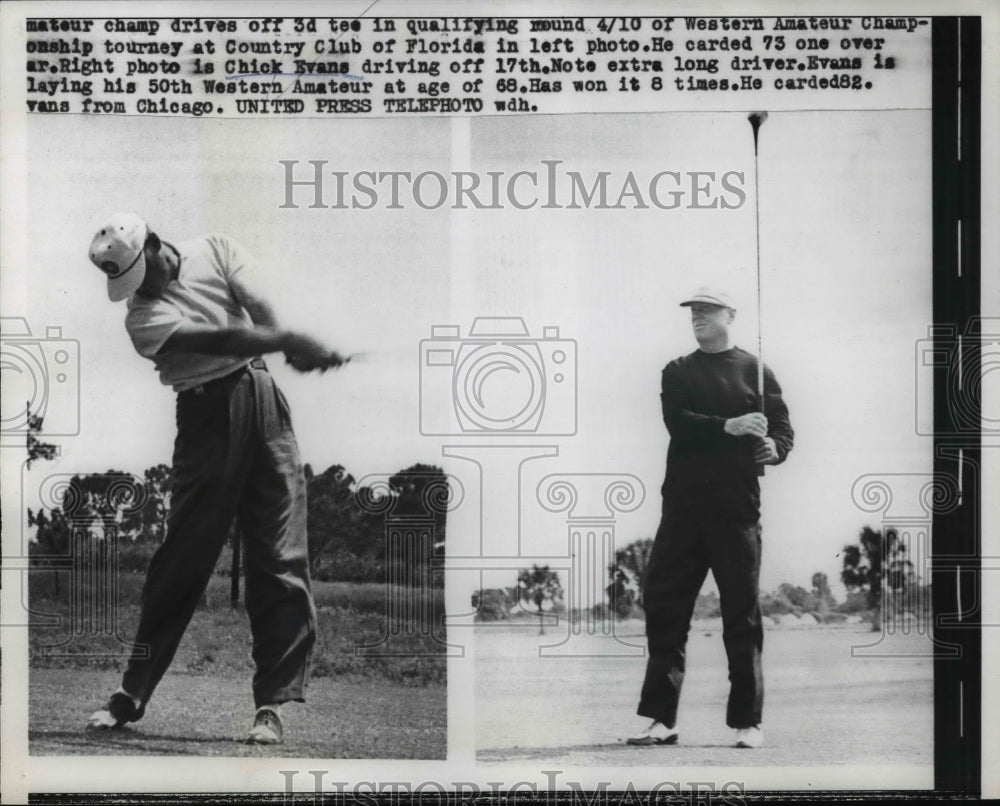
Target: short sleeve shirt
[{"x": 206, "y": 292}]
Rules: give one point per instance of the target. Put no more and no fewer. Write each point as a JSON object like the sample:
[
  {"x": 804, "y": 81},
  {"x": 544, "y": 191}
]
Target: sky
[{"x": 845, "y": 249}]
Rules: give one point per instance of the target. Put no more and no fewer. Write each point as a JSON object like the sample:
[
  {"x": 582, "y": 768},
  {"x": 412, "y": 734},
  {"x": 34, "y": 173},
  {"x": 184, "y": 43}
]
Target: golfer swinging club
[
  {"x": 711, "y": 518},
  {"x": 195, "y": 311}
]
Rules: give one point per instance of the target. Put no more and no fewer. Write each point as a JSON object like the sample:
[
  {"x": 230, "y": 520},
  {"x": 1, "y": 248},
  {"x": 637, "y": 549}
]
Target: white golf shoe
[
  {"x": 750, "y": 738},
  {"x": 654, "y": 733},
  {"x": 266, "y": 726}
]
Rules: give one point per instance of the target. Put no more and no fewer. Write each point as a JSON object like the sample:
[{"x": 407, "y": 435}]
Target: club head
[{"x": 756, "y": 121}]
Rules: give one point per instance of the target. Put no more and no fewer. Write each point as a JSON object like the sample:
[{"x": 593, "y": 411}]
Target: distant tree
[
  {"x": 877, "y": 565},
  {"x": 821, "y": 594},
  {"x": 51, "y": 532},
  {"x": 334, "y": 520},
  {"x": 422, "y": 491},
  {"x": 623, "y": 591},
  {"x": 51, "y": 542},
  {"x": 855, "y": 603},
  {"x": 105, "y": 507},
  {"x": 92, "y": 505},
  {"x": 100, "y": 498},
  {"x": 628, "y": 575},
  {"x": 492, "y": 604},
  {"x": 148, "y": 523},
  {"x": 797, "y": 597},
  {"x": 539, "y": 585},
  {"x": 771, "y": 604},
  {"x": 141, "y": 529},
  {"x": 36, "y": 448},
  {"x": 707, "y": 606},
  {"x": 349, "y": 524}
]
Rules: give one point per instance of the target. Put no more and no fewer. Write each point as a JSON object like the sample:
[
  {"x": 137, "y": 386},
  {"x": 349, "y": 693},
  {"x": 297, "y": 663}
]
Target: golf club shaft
[
  {"x": 760, "y": 326},
  {"x": 756, "y": 121}
]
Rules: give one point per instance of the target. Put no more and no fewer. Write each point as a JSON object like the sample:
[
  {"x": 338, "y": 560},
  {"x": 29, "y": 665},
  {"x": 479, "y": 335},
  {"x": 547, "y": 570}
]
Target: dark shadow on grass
[
  {"x": 122, "y": 737},
  {"x": 509, "y": 753}
]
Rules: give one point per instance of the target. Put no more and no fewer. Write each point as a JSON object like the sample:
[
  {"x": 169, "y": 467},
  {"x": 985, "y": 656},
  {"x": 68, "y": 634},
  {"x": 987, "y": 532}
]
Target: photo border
[{"x": 957, "y": 562}]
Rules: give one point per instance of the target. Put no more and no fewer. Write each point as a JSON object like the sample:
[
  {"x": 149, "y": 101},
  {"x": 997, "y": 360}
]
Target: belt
[{"x": 256, "y": 363}]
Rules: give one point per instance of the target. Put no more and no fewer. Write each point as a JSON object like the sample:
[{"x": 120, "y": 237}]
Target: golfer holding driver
[
  {"x": 195, "y": 310},
  {"x": 711, "y": 518}
]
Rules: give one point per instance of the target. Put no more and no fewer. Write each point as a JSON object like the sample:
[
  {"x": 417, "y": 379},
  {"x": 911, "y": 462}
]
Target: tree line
[
  {"x": 357, "y": 532},
  {"x": 878, "y": 572},
  {"x": 395, "y": 531}
]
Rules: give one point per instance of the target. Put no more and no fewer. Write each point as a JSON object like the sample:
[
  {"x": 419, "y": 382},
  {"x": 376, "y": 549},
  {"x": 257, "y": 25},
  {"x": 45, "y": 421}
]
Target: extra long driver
[{"x": 756, "y": 121}]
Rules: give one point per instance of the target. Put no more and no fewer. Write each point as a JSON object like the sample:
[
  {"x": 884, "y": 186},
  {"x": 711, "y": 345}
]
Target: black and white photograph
[
  {"x": 258, "y": 538},
  {"x": 479, "y": 399},
  {"x": 689, "y": 460}
]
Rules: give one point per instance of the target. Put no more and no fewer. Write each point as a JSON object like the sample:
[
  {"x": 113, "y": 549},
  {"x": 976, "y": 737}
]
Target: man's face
[
  {"x": 157, "y": 275},
  {"x": 710, "y": 322}
]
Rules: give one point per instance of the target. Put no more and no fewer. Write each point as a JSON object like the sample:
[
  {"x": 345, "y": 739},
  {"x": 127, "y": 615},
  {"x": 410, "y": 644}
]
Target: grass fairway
[
  {"x": 206, "y": 716},
  {"x": 822, "y": 707},
  {"x": 391, "y": 703}
]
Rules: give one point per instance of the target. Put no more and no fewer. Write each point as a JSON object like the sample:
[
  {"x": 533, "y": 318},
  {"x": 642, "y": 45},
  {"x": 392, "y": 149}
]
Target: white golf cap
[
  {"x": 709, "y": 295},
  {"x": 117, "y": 250}
]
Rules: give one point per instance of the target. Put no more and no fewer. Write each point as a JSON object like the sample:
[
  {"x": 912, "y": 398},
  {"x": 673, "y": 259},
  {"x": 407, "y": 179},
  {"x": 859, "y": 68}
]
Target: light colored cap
[
  {"x": 117, "y": 250},
  {"x": 709, "y": 295}
]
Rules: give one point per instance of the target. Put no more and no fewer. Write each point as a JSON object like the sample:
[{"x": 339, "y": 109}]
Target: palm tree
[
  {"x": 821, "y": 592},
  {"x": 877, "y": 565},
  {"x": 630, "y": 565},
  {"x": 539, "y": 585}
]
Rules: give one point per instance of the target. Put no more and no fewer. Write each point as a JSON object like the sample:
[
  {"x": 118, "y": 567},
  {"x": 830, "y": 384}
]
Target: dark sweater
[{"x": 709, "y": 470}]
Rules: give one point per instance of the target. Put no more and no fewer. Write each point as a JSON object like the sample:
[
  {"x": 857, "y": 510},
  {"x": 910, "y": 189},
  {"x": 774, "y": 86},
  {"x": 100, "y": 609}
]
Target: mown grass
[{"x": 67, "y": 631}]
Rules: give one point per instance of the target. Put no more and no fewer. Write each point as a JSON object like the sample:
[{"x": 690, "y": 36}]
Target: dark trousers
[
  {"x": 235, "y": 456},
  {"x": 687, "y": 545}
]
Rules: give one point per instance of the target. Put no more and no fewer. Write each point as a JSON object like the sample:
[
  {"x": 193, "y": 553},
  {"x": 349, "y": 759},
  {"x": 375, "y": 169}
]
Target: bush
[
  {"x": 492, "y": 604},
  {"x": 706, "y": 607},
  {"x": 134, "y": 557},
  {"x": 371, "y": 597},
  {"x": 855, "y": 604},
  {"x": 771, "y": 605}
]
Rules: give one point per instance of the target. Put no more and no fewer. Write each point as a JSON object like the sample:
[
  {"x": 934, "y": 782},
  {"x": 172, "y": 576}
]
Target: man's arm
[
  {"x": 249, "y": 342},
  {"x": 262, "y": 313},
  {"x": 252, "y": 299},
  {"x": 682, "y": 422},
  {"x": 779, "y": 427}
]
